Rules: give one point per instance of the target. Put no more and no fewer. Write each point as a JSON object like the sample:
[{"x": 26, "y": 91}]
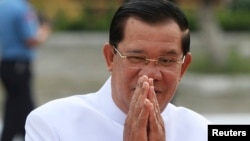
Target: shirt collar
[
  {"x": 113, "y": 111},
  {"x": 107, "y": 104}
]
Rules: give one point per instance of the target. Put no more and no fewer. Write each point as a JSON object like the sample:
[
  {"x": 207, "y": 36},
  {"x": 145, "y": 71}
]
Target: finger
[
  {"x": 144, "y": 115},
  {"x": 136, "y": 94},
  {"x": 155, "y": 114},
  {"x": 141, "y": 91},
  {"x": 142, "y": 96},
  {"x": 137, "y": 130},
  {"x": 153, "y": 99},
  {"x": 137, "y": 100},
  {"x": 139, "y": 87},
  {"x": 151, "y": 81},
  {"x": 156, "y": 128}
]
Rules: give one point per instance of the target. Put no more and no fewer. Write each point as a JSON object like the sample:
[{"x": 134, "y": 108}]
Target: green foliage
[
  {"x": 192, "y": 19},
  {"x": 61, "y": 21},
  {"x": 235, "y": 64},
  {"x": 240, "y": 5},
  {"x": 90, "y": 19},
  {"x": 237, "y": 20},
  {"x": 97, "y": 19}
]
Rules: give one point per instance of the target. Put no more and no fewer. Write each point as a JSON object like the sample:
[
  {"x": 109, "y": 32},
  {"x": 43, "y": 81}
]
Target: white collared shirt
[{"x": 95, "y": 117}]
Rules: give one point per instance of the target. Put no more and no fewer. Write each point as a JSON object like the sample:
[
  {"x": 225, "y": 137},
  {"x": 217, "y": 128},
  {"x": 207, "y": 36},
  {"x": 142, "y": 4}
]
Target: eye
[
  {"x": 166, "y": 60},
  {"x": 136, "y": 59}
]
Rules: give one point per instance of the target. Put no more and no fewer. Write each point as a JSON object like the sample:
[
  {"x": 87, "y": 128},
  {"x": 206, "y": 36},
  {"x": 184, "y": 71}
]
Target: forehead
[
  {"x": 135, "y": 28},
  {"x": 164, "y": 35}
]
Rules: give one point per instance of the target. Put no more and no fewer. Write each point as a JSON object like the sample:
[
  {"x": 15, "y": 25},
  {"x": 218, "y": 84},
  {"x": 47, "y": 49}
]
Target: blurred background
[{"x": 216, "y": 85}]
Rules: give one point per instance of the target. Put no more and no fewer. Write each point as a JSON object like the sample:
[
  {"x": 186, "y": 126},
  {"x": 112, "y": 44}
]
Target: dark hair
[{"x": 150, "y": 11}]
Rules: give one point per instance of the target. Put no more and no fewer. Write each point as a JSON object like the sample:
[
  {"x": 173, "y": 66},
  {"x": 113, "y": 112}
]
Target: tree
[{"x": 212, "y": 34}]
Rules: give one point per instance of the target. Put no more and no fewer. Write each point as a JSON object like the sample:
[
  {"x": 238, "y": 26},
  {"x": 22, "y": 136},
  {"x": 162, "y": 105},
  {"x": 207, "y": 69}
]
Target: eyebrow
[
  {"x": 135, "y": 51},
  {"x": 171, "y": 52}
]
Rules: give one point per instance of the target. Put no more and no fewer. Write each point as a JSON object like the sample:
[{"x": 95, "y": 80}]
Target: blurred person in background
[
  {"x": 20, "y": 36},
  {"x": 147, "y": 55}
]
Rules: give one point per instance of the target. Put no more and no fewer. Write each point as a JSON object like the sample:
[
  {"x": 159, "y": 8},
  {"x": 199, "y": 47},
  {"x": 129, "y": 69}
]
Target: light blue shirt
[{"x": 18, "y": 22}]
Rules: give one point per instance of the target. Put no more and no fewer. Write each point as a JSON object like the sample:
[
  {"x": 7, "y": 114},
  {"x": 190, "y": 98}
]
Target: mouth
[{"x": 156, "y": 91}]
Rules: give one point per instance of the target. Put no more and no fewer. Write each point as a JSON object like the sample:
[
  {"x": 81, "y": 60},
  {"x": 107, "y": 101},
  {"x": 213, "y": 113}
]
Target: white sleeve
[{"x": 38, "y": 129}]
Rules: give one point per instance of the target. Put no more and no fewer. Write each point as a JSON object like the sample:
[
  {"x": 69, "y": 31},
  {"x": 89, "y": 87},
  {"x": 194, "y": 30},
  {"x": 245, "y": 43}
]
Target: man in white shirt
[{"x": 147, "y": 55}]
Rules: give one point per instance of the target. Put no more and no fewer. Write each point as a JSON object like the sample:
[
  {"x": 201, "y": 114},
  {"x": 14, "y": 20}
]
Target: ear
[
  {"x": 108, "y": 53},
  {"x": 187, "y": 61}
]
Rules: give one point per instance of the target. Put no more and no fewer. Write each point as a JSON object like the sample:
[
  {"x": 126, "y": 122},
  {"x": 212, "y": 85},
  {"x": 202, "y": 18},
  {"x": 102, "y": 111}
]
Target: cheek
[
  {"x": 125, "y": 75},
  {"x": 125, "y": 78},
  {"x": 122, "y": 87},
  {"x": 170, "y": 85},
  {"x": 173, "y": 80}
]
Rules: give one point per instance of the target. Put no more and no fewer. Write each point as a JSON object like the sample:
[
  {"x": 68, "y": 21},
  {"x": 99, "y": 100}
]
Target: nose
[
  {"x": 151, "y": 60},
  {"x": 151, "y": 70}
]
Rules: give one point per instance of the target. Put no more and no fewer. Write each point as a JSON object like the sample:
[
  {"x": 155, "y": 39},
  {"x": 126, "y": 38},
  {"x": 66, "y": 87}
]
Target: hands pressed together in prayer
[{"x": 144, "y": 121}]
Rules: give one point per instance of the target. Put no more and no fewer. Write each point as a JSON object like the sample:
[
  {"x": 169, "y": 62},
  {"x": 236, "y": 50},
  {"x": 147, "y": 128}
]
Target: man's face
[{"x": 150, "y": 41}]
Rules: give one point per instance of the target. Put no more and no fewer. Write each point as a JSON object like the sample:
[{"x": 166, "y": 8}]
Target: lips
[{"x": 156, "y": 91}]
